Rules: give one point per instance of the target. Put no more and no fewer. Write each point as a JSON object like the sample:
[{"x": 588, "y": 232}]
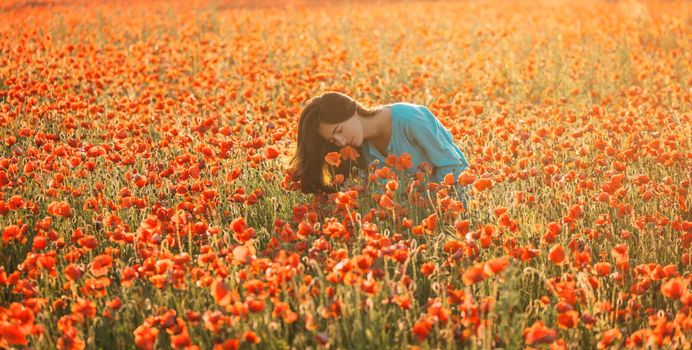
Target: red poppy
[
  {"x": 386, "y": 202},
  {"x": 538, "y": 334},
  {"x": 427, "y": 268},
  {"x": 271, "y": 152},
  {"x": 482, "y": 184},
  {"x": 495, "y": 265},
  {"x": 421, "y": 328},
  {"x": 333, "y": 158},
  {"x": 557, "y": 254},
  {"x": 602, "y": 269},
  {"x": 609, "y": 338},
  {"x": 474, "y": 274},
  {"x": 568, "y": 319},
  {"x": 145, "y": 337},
  {"x": 349, "y": 153},
  {"x": 221, "y": 293},
  {"x": 12, "y": 334},
  {"x": 674, "y": 288},
  {"x": 466, "y": 178},
  {"x": 251, "y": 337},
  {"x": 462, "y": 227},
  {"x": 101, "y": 264}
]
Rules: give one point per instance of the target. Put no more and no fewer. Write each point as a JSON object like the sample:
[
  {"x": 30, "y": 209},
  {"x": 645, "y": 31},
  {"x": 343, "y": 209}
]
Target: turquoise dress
[{"x": 416, "y": 131}]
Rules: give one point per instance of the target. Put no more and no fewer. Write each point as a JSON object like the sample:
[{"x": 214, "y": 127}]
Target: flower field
[{"x": 145, "y": 200}]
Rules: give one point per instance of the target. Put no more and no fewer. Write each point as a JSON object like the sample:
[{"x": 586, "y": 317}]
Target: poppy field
[{"x": 145, "y": 200}]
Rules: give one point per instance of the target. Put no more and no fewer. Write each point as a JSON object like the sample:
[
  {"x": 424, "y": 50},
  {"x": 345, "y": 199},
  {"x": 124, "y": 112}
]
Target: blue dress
[{"x": 416, "y": 131}]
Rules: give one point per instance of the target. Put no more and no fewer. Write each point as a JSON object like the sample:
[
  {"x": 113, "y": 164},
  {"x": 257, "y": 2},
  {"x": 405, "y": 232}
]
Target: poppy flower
[
  {"x": 392, "y": 185},
  {"x": 620, "y": 254},
  {"x": 12, "y": 334},
  {"x": 115, "y": 303},
  {"x": 602, "y": 269},
  {"x": 228, "y": 344},
  {"x": 466, "y": 178},
  {"x": 241, "y": 254},
  {"x": 477, "y": 109},
  {"x": 422, "y": 327},
  {"x": 674, "y": 288},
  {"x": 333, "y": 158},
  {"x": 84, "y": 307},
  {"x": 73, "y": 272},
  {"x": 271, "y": 152},
  {"x": 448, "y": 179},
  {"x": 251, "y": 337},
  {"x": 145, "y": 337},
  {"x": 369, "y": 286},
  {"x": 255, "y": 305},
  {"x": 538, "y": 334},
  {"x": 11, "y": 232},
  {"x": 439, "y": 312},
  {"x": 386, "y": 202},
  {"x": 344, "y": 199},
  {"x": 89, "y": 242},
  {"x": 641, "y": 338},
  {"x": 403, "y": 301},
  {"x": 462, "y": 227},
  {"x": 474, "y": 274},
  {"x": 349, "y": 153},
  {"x": 427, "y": 268},
  {"x": 60, "y": 209},
  {"x": 4, "y": 179},
  {"x": 568, "y": 319},
  {"x": 557, "y": 254},
  {"x": 101, "y": 264},
  {"x": 608, "y": 338},
  {"x": 482, "y": 184},
  {"x": 405, "y": 161},
  {"x": 241, "y": 232},
  {"x": 495, "y": 265},
  {"x": 221, "y": 293}
]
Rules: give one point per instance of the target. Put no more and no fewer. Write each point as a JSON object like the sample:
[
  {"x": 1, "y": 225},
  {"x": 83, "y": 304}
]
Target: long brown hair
[{"x": 308, "y": 165}]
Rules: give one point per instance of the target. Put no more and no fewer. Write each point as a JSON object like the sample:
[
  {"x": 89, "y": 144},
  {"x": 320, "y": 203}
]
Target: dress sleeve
[{"x": 424, "y": 129}]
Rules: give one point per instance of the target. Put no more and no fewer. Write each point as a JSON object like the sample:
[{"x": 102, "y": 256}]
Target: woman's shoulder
[
  {"x": 406, "y": 105},
  {"x": 408, "y": 111}
]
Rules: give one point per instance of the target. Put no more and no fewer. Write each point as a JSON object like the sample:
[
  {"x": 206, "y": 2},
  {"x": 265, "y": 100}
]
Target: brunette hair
[{"x": 308, "y": 165}]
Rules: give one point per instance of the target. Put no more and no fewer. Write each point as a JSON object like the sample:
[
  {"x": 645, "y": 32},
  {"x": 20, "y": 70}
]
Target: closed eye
[{"x": 332, "y": 141}]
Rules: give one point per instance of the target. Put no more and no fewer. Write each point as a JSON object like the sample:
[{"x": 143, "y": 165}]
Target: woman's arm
[{"x": 437, "y": 142}]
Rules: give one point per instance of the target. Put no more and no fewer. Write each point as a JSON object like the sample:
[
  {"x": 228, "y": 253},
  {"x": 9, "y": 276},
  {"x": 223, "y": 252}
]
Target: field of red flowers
[{"x": 145, "y": 202}]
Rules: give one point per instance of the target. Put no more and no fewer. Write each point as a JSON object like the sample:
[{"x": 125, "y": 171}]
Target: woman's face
[{"x": 348, "y": 132}]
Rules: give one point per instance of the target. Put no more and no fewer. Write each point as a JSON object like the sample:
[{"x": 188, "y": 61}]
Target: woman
[{"x": 333, "y": 120}]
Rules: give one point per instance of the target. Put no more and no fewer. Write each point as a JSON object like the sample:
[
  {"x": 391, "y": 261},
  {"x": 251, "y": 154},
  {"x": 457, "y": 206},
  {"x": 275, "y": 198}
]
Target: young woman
[{"x": 333, "y": 120}]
